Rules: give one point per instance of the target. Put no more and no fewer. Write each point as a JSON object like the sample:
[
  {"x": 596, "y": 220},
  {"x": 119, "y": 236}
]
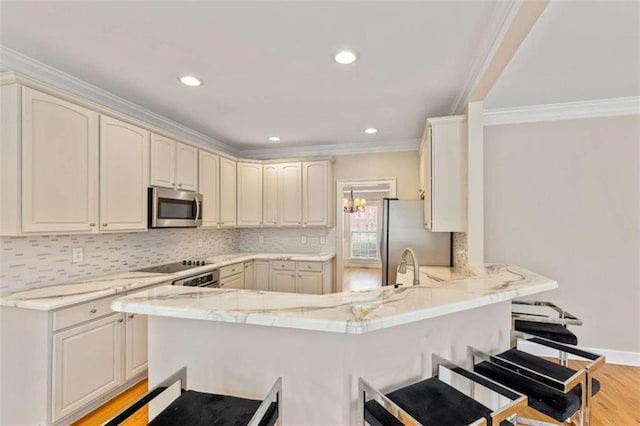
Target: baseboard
[{"x": 612, "y": 356}]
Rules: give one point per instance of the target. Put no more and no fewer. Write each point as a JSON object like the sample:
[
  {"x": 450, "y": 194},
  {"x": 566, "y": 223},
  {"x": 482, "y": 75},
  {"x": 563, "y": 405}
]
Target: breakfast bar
[{"x": 238, "y": 342}]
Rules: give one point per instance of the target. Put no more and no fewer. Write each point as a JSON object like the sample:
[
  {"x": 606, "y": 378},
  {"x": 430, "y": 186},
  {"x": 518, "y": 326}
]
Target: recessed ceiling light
[
  {"x": 371, "y": 130},
  {"x": 274, "y": 138},
  {"x": 345, "y": 57},
  {"x": 190, "y": 80}
]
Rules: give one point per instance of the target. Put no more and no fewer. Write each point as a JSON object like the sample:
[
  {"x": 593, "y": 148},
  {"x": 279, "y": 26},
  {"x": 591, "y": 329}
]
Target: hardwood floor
[
  {"x": 361, "y": 278},
  {"x": 617, "y": 404},
  {"x": 117, "y": 404}
]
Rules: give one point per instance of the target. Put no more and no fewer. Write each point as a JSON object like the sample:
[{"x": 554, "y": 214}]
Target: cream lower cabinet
[
  {"x": 249, "y": 277},
  {"x": 232, "y": 276},
  {"x": 283, "y": 281},
  {"x": 87, "y": 363},
  {"x": 309, "y": 282},
  {"x": 136, "y": 356},
  {"x": 261, "y": 274},
  {"x": 301, "y": 277}
]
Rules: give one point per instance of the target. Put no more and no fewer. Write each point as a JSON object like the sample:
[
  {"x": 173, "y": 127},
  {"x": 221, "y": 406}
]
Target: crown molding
[
  {"x": 563, "y": 111},
  {"x": 486, "y": 49},
  {"x": 11, "y": 60},
  {"x": 363, "y": 147}
]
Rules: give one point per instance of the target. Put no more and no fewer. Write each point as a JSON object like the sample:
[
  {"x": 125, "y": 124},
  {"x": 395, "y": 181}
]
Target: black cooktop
[{"x": 170, "y": 268}]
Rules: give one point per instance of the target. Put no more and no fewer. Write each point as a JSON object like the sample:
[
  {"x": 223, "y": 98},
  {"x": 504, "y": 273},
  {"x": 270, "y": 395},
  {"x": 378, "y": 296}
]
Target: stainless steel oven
[
  {"x": 205, "y": 279},
  {"x": 169, "y": 208}
]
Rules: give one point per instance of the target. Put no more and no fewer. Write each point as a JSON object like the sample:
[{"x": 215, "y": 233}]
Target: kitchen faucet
[{"x": 403, "y": 265}]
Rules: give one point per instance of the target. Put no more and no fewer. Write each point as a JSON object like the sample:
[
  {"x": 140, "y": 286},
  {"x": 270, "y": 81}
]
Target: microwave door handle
[{"x": 195, "y": 199}]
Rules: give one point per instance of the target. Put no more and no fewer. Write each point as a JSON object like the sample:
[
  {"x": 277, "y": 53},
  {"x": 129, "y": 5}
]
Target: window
[{"x": 364, "y": 233}]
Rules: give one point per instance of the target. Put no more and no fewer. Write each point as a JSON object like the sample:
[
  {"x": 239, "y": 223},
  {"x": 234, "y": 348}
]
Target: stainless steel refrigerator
[{"x": 402, "y": 227}]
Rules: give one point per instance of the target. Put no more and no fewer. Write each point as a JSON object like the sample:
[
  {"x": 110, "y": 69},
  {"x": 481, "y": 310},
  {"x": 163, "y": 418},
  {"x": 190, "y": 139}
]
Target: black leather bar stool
[
  {"x": 453, "y": 396},
  {"x": 199, "y": 409},
  {"x": 552, "y": 389}
]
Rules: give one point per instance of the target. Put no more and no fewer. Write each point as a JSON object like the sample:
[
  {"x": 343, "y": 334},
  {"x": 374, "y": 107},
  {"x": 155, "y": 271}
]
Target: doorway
[{"x": 358, "y": 264}]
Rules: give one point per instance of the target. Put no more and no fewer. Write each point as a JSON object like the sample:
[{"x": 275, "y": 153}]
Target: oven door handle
[{"x": 195, "y": 200}]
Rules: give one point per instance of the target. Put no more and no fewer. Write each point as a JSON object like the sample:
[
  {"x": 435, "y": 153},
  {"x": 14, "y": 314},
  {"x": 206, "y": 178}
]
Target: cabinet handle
[
  {"x": 92, "y": 225},
  {"x": 131, "y": 316},
  {"x": 120, "y": 320},
  {"x": 93, "y": 311}
]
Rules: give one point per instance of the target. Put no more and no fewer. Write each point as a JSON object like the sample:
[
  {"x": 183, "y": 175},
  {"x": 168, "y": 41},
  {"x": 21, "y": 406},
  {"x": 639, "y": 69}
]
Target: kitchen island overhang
[{"x": 238, "y": 342}]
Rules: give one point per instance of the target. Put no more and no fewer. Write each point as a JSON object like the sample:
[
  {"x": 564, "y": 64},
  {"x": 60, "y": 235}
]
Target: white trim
[
  {"x": 612, "y": 356},
  {"x": 334, "y": 149},
  {"x": 563, "y": 111},
  {"x": 500, "y": 23},
  {"x": 13, "y": 61}
]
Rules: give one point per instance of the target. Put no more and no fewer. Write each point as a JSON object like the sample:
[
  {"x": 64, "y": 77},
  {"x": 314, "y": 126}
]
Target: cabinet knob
[
  {"x": 92, "y": 225},
  {"x": 282, "y": 266},
  {"x": 120, "y": 320},
  {"x": 93, "y": 311},
  {"x": 104, "y": 225},
  {"x": 173, "y": 184},
  {"x": 309, "y": 266},
  {"x": 233, "y": 270},
  {"x": 221, "y": 285},
  {"x": 293, "y": 276},
  {"x": 298, "y": 223},
  {"x": 131, "y": 316},
  {"x": 179, "y": 185}
]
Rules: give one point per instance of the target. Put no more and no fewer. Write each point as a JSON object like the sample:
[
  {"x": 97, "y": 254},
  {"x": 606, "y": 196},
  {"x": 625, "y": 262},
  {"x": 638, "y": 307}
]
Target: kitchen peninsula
[{"x": 239, "y": 341}]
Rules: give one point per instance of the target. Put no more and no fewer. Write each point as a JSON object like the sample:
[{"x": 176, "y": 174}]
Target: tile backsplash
[
  {"x": 288, "y": 240},
  {"x": 37, "y": 261}
]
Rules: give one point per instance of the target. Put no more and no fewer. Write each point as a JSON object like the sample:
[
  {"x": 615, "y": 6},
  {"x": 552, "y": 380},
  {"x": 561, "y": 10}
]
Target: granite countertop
[
  {"x": 63, "y": 295},
  {"x": 451, "y": 290}
]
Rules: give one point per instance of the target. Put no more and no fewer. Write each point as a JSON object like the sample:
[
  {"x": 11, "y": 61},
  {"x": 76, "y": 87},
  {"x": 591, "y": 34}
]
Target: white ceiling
[
  {"x": 577, "y": 50},
  {"x": 268, "y": 66}
]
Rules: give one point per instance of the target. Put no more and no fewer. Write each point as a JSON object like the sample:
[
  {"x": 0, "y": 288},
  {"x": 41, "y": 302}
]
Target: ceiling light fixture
[
  {"x": 189, "y": 80},
  {"x": 351, "y": 205},
  {"x": 371, "y": 130},
  {"x": 345, "y": 57},
  {"x": 274, "y": 138}
]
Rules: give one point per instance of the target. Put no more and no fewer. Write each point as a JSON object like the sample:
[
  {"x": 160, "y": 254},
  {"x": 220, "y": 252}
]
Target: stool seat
[
  {"x": 432, "y": 402},
  {"x": 555, "y": 332},
  {"x": 200, "y": 409}
]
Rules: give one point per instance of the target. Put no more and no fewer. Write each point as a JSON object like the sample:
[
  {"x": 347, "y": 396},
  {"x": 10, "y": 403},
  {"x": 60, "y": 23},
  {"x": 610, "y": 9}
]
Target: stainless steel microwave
[{"x": 169, "y": 208}]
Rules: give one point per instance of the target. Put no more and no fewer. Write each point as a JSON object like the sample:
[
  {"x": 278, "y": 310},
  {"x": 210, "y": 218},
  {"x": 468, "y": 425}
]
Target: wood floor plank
[{"x": 117, "y": 404}]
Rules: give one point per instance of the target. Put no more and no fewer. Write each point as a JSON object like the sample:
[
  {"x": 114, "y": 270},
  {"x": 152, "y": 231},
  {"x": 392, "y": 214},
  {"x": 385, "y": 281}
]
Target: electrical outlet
[
  {"x": 199, "y": 242},
  {"x": 261, "y": 239},
  {"x": 303, "y": 239},
  {"x": 323, "y": 240},
  {"x": 77, "y": 255}
]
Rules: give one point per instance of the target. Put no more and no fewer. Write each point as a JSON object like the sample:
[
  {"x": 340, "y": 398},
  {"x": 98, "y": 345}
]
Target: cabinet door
[
  {"x": 309, "y": 282},
  {"x": 59, "y": 165},
  {"x": 124, "y": 176},
  {"x": 270, "y": 194},
  {"x": 291, "y": 194},
  {"x": 86, "y": 363},
  {"x": 284, "y": 281},
  {"x": 163, "y": 162},
  {"x": 315, "y": 193},
  {"x": 249, "y": 282},
  {"x": 135, "y": 360},
  {"x": 186, "y": 167},
  {"x": 233, "y": 281},
  {"x": 227, "y": 192},
  {"x": 426, "y": 160},
  {"x": 209, "y": 184},
  {"x": 261, "y": 275},
  {"x": 249, "y": 194}
]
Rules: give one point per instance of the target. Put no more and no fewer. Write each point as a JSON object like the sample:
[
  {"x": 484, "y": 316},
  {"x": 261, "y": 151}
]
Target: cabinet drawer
[
  {"x": 81, "y": 313},
  {"x": 310, "y": 266},
  {"x": 226, "y": 271},
  {"x": 286, "y": 265}
]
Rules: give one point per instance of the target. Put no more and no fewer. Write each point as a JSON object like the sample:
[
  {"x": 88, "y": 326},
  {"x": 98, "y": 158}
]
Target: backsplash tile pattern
[
  {"x": 37, "y": 261},
  {"x": 288, "y": 240}
]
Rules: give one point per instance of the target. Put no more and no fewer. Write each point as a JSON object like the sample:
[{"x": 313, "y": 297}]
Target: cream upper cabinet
[
  {"x": 59, "y": 165},
  {"x": 291, "y": 194},
  {"x": 444, "y": 157},
  {"x": 187, "y": 167},
  {"x": 209, "y": 184},
  {"x": 173, "y": 164},
  {"x": 270, "y": 188},
  {"x": 249, "y": 194},
  {"x": 124, "y": 176},
  {"x": 227, "y": 192},
  {"x": 316, "y": 210}
]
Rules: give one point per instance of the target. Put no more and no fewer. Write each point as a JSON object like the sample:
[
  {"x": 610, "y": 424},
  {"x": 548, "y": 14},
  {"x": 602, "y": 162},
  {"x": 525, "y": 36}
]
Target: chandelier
[{"x": 352, "y": 205}]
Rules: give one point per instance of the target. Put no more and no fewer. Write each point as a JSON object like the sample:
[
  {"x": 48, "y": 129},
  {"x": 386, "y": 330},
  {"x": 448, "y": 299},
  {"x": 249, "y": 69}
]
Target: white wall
[{"x": 563, "y": 199}]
